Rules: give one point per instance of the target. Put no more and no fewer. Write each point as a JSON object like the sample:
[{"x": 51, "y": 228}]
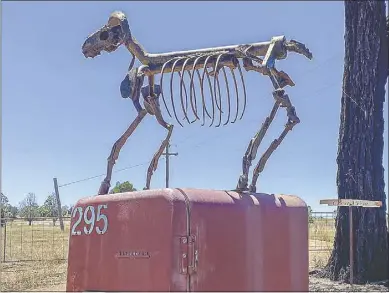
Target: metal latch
[{"x": 188, "y": 255}]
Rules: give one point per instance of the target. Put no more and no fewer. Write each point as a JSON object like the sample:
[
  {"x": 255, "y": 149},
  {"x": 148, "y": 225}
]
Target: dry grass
[
  {"x": 27, "y": 275},
  {"x": 40, "y": 241},
  {"x": 36, "y": 255},
  {"x": 321, "y": 241}
]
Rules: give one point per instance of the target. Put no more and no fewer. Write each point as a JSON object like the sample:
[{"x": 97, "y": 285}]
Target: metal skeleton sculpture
[{"x": 117, "y": 33}]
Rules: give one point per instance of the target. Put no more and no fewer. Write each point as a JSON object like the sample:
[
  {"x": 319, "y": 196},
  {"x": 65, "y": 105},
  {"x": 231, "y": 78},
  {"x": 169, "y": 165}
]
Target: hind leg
[
  {"x": 129, "y": 88},
  {"x": 152, "y": 103}
]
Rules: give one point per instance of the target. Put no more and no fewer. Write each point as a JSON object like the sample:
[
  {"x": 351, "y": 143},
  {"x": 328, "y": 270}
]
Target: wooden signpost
[{"x": 350, "y": 203}]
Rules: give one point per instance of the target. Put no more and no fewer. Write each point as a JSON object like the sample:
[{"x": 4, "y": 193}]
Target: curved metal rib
[
  {"x": 237, "y": 95},
  {"x": 194, "y": 107},
  {"x": 192, "y": 88},
  {"x": 228, "y": 96},
  {"x": 182, "y": 83},
  {"x": 161, "y": 84},
  {"x": 171, "y": 91},
  {"x": 181, "y": 74},
  {"x": 210, "y": 87},
  {"x": 205, "y": 111},
  {"x": 244, "y": 90},
  {"x": 216, "y": 81},
  {"x": 186, "y": 98}
]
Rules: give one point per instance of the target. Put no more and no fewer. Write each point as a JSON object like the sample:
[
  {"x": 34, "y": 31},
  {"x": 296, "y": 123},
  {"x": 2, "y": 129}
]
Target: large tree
[{"x": 360, "y": 171}]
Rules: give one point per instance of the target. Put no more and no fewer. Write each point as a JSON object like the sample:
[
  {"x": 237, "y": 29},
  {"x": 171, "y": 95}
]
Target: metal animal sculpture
[{"x": 117, "y": 33}]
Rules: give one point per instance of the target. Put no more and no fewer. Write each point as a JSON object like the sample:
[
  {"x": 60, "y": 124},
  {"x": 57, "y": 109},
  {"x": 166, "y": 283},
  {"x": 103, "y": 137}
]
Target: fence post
[
  {"x": 5, "y": 240},
  {"x": 58, "y": 203}
]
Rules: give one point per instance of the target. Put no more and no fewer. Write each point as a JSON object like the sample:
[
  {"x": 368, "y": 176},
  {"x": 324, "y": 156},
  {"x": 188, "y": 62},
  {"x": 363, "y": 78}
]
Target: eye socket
[{"x": 104, "y": 35}]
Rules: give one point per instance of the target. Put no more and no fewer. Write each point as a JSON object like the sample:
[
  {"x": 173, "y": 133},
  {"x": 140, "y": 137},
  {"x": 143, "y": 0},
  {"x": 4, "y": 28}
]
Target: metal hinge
[{"x": 188, "y": 255}]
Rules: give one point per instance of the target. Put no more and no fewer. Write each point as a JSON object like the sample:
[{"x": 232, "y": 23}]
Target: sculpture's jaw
[{"x": 108, "y": 38}]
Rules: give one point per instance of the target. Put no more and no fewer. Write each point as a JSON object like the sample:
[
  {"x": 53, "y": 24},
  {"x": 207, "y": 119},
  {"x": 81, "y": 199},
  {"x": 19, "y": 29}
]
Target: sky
[{"x": 61, "y": 112}]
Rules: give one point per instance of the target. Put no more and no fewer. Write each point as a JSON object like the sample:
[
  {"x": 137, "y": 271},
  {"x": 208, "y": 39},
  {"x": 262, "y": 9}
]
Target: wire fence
[
  {"x": 321, "y": 231},
  {"x": 37, "y": 240},
  {"x": 44, "y": 240}
]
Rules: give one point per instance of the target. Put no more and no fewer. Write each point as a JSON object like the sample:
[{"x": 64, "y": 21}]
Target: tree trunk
[{"x": 360, "y": 172}]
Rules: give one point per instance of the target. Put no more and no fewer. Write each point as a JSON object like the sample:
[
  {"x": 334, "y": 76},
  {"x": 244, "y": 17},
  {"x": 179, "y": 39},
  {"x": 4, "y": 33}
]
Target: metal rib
[
  {"x": 228, "y": 96},
  {"x": 161, "y": 84},
  {"x": 201, "y": 88},
  {"x": 216, "y": 81},
  {"x": 237, "y": 95},
  {"x": 244, "y": 90},
  {"x": 171, "y": 91},
  {"x": 194, "y": 107},
  {"x": 187, "y": 104},
  {"x": 192, "y": 88},
  {"x": 181, "y": 74},
  {"x": 210, "y": 87},
  {"x": 202, "y": 98}
]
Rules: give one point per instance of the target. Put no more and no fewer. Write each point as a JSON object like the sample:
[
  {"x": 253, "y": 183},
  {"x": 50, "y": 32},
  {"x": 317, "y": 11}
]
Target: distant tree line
[{"x": 29, "y": 209}]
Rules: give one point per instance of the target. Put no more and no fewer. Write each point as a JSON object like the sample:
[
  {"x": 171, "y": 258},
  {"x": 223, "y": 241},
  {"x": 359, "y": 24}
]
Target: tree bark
[{"x": 360, "y": 171}]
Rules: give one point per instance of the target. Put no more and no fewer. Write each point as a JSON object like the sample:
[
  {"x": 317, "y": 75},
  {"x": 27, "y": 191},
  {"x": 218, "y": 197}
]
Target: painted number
[{"x": 90, "y": 219}]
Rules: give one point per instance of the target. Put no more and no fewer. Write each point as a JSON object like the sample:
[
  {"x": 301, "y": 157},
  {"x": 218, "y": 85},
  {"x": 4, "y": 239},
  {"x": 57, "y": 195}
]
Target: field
[{"x": 35, "y": 256}]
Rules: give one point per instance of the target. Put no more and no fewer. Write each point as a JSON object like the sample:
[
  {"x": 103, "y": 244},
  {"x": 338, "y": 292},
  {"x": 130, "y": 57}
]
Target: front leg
[
  {"x": 106, "y": 183},
  {"x": 267, "y": 68},
  {"x": 252, "y": 149},
  {"x": 151, "y": 98},
  {"x": 129, "y": 88},
  {"x": 284, "y": 101}
]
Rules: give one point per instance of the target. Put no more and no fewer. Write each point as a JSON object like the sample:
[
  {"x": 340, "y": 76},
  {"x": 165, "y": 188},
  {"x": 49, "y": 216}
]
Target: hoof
[
  {"x": 252, "y": 189},
  {"x": 242, "y": 184},
  {"x": 104, "y": 187}
]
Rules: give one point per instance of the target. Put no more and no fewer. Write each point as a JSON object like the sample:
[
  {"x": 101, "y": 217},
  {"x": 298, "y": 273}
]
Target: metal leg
[
  {"x": 106, "y": 183},
  {"x": 252, "y": 149},
  {"x": 154, "y": 103},
  {"x": 283, "y": 100}
]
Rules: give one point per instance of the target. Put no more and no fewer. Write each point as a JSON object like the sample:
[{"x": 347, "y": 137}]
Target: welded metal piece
[{"x": 258, "y": 57}]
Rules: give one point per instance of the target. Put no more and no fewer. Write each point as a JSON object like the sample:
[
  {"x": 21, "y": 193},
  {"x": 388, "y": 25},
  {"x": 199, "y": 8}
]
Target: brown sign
[{"x": 352, "y": 202}]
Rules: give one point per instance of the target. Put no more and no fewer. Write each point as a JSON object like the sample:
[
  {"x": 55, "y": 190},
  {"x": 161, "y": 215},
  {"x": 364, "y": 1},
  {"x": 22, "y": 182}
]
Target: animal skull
[{"x": 109, "y": 37}]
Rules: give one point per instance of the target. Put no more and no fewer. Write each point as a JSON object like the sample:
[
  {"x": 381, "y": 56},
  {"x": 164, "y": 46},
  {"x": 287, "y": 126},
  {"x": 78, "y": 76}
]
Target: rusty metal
[
  {"x": 195, "y": 240},
  {"x": 257, "y": 57},
  {"x": 189, "y": 255}
]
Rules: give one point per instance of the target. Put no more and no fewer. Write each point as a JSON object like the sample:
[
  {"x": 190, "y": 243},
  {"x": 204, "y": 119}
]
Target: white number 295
[{"x": 90, "y": 219}]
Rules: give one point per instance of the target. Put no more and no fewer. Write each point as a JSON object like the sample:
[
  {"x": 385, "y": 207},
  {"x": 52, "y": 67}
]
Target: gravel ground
[
  {"x": 322, "y": 284},
  {"x": 315, "y": 284}
]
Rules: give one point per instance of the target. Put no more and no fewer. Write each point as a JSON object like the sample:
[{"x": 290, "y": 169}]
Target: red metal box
[{"x": 188, "y": 240}]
